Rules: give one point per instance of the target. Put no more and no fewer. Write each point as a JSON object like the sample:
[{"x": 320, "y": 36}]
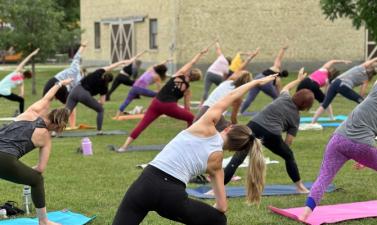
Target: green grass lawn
[{"x": 95, "y": 185}]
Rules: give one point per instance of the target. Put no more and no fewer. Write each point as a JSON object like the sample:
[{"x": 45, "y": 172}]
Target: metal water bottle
[{"x": 28, "y": 203}]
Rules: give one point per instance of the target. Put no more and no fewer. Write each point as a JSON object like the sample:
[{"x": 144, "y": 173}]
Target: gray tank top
[
  {"x": 354, "y": 77},
  {"x": 187, "y": 155},
  {"x": 15, "y": 138}
]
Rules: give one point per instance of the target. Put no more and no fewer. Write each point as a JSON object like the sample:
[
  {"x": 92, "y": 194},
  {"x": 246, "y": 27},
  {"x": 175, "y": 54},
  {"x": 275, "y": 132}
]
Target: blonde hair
[
  {"x": 195, "y": 74},
  {"x": 59, "y": 117},
  {"x": 240, "y": 138},
  {"x": 244, "y": 77}
]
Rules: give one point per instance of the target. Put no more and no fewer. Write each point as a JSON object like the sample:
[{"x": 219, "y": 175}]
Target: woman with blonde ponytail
[
  {"x": 198, "y": 149},
  {"x": 282, "y": 115},
  {"x": 256, "y": 172}
]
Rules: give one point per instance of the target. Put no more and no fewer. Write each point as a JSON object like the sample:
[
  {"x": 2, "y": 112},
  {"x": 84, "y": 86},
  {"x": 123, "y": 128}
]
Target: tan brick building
[{"x": 180, "y": 28}]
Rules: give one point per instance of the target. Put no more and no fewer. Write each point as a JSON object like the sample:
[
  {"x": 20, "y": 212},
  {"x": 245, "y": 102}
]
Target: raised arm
[
  {"x": 186, "y": 68},
  {"x": 42, "y": 106},
  {"x": 123, "y": 62},
  {"x": 214, "y": 113},
  {"x": 301, "y": 75},
  {"x": 218, "y": 49},
  {"x": 249, "y": 58},
  {"x": 335, "y": 61},
  {"x": 279, "y": 58},
  {"x": 369, "y": 63},
  {"x": 82, "y": 47},
  {"x": 20, "y": 66}
]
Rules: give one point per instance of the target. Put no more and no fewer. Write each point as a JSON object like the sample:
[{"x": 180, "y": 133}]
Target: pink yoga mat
[{"x": 332, "y": 213}]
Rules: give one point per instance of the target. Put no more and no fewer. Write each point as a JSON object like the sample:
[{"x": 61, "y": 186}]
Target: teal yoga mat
[
  {"x": 62, "y": 217},
  {"x": 90, "y": 133},
  {"x": 323, "y": 119}
]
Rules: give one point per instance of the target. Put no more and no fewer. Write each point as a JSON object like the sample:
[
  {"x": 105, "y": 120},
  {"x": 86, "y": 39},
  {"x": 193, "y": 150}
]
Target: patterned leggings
[{"x": 338, "y": 151}]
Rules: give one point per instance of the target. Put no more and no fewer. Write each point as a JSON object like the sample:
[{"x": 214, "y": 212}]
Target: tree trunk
[{"x": 33, "y": 84}]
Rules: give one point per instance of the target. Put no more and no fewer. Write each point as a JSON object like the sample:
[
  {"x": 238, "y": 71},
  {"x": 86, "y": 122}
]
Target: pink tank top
[
  {"x": 145, "y": 79},
  {"x": 320, "y": 76}
]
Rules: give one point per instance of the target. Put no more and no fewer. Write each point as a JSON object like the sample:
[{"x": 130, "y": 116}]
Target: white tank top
[
  {"x": 187, "y": 155},
  {"x": 221, "y": 91}
]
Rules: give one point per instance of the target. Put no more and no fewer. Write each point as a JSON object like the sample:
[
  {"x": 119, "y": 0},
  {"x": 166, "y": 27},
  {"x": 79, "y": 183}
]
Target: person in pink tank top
[{"x": 321, "y": 78}]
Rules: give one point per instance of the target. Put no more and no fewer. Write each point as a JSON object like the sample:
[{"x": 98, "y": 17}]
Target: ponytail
[{"x": 256, "y": 173}]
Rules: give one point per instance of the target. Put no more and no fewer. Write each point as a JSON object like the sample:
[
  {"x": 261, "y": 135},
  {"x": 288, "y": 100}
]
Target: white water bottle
[
  {"x": 28, "y": 203},
  {"x": 3, "y": 214}
]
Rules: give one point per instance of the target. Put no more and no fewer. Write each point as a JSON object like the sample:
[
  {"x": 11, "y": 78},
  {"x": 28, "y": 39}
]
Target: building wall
[
  {"x": 245, "y": 25},
  {"x": 92, "y": 11},
  {"x": 240, "y": 25}
]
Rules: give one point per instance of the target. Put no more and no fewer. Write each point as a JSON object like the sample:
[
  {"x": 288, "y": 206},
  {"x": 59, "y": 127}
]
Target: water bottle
[
  {"x": 28, "y": 203},
  {"x": 86, "y": 146},
  {"x": 3, "y": 214}
]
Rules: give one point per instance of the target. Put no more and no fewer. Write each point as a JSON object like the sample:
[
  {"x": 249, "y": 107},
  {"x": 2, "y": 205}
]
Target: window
[
  {"x": 153, "y": 34},
  {"x": 97, "y": 35}
]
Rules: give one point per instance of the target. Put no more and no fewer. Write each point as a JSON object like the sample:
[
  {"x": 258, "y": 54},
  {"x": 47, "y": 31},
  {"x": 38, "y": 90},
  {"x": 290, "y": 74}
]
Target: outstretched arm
[
  {"x": 249, "y": 58},
  {"x": 123, "y": 62},
  {"x": 369, "y": 63},
  {"x": 82, "y": 47},
  {"x": 335, "y": 61},
  {"x": 42, "y": 106},
  {"x": 301, "y": 75},
  {"x": 279, "y": 58},
  {"x": 218, "y": 49},
  {"x": 20, "y": 66},
  {"x": 186, "y": 68},
  {"x": 214, "y": 113}
]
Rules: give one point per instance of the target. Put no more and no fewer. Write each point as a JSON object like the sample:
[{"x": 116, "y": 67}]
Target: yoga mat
[
  {"x": 243, "y": 114},
  {"x": 323, "y": 119},
  {"x": 63, "y": 217},
  {"x": 90, "y": 133},
  {"x": 330, "y": 124},
  {"x": 332, "y": 213},
  {"x": 134, "y": 148},
  {"x": 7, "y": 118},
  {"x": 269, "y": 190},
  {"x": 130, "y": 117},
  {"x": 245, "y": 163},
  {"x": 81, "y": 126}
]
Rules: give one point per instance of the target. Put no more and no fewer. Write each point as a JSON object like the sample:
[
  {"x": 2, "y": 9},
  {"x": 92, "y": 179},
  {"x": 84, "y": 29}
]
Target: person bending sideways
[
  {"x": 32, "y": 129},
  {"x": 162, "y": 185}
]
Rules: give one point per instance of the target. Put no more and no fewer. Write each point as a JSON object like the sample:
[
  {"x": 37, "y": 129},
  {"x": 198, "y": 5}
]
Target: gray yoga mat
[
  {"x": 134, "y": 148},
  {"x": 90, "y": 133}
]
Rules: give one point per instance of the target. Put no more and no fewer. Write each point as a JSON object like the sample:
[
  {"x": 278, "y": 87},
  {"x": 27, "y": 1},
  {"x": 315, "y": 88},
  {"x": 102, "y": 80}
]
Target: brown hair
[
  {"x": 59, "y": 117},
  {"x": 195, "y": 74},
  {"x": 244, "y": 78},
  {"x": 161, "y": 70},
  {"x": 333, "y": 73},
  {"x": 303, "y": 99},
  {"x": 240, "y": 138},
  {"x": 27, "y": 74}
]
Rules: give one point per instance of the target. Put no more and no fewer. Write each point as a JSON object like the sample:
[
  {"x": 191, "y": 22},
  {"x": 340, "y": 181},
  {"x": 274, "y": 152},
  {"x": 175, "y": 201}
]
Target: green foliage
[{"x": 361, "y": 12}]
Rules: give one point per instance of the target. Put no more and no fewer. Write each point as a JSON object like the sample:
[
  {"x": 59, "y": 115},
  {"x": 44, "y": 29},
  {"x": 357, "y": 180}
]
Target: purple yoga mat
[{"x": 332, "y": 213}]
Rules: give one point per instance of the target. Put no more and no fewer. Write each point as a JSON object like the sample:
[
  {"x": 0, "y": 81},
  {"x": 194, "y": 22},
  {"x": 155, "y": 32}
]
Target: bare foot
[
  {"x": 301, "y": 188},
  {"x": 304, "y": 216},
  {"x": 121, "y": 150}
]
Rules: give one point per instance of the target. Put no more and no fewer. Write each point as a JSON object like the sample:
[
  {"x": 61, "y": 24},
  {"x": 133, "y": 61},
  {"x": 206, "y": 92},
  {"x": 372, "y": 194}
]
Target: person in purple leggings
[
  {"x": 156, "y": 75},
  {"x": 354, "y": 139}
]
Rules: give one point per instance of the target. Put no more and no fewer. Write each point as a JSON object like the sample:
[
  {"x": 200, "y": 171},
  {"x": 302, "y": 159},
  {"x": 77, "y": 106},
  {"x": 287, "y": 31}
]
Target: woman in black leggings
[
  {"x": 93, "y": 84},
  {"x": 279, "y": 116},
  {"x": 31, "y": 129},
  {"x": 198, "y": 149}
]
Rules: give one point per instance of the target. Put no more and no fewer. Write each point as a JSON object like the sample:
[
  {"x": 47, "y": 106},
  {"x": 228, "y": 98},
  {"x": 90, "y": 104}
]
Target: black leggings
[
  {"x": 155, "y": 190},
  {"x": 337, "y": 87},
  {"x": 61, "y": 94},
  {"x": 16, "y": 98},
  {"x": 271, "y": 141},
  {"x": 120, "y": 79},
  {"x": 310, "y": 84},
  {"x": 80, "y": 94},
  {"x": 13, "y": 170}
]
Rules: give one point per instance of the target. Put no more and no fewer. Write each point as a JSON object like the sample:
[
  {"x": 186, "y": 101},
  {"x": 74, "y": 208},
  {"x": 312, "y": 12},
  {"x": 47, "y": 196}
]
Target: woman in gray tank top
[
  {"x": 31, "y": 129},
  {"x": 198, "y": 149},
  {"x": 344, "y": 84}
]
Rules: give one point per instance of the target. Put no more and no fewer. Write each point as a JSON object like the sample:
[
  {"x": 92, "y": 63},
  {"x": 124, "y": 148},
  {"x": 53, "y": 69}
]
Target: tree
[
  {"x": 361, "y": 12},
  {"x": 35, "y": 24}
]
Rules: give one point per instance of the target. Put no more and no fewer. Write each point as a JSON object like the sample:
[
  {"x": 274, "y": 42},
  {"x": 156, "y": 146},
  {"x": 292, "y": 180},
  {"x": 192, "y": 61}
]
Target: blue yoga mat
[
  {"x": 330, "y": 124},
  {"x": 243, "y": 114},
  {"x": 62, "y": 217},
  {"x": 269, "y": 190},
  {"x": 323, "y": 119}
]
